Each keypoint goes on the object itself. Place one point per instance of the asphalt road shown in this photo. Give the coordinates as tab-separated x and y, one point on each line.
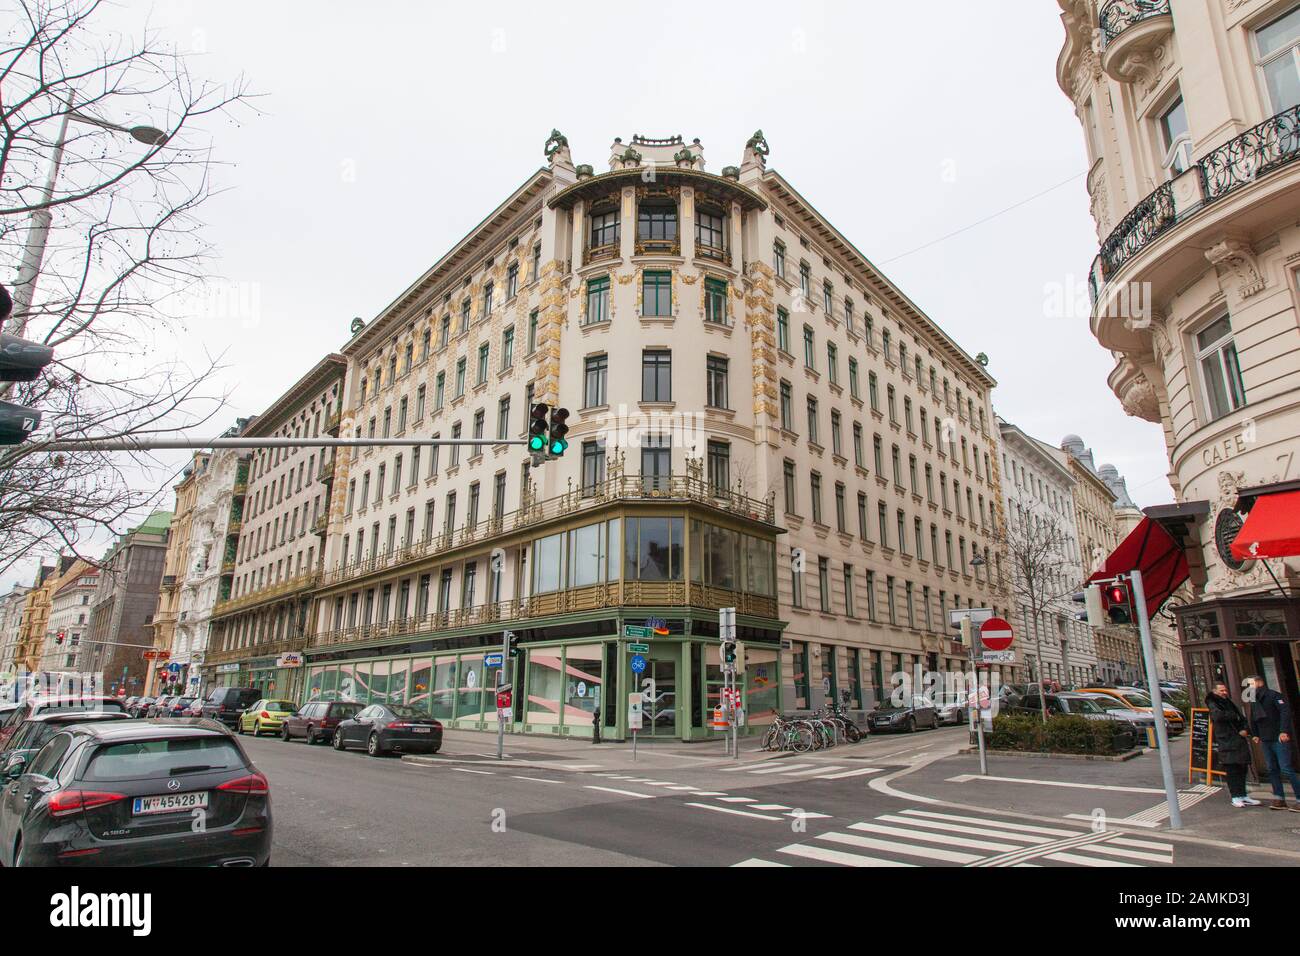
341	809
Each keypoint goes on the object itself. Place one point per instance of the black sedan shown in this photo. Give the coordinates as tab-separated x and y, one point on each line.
891	716
390	728
133	793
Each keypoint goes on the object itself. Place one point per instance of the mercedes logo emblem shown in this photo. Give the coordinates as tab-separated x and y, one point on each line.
173	784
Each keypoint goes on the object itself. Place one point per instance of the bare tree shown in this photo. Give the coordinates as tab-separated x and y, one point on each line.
105	164
1042	572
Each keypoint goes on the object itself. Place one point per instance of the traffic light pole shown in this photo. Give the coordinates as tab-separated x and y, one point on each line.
1157	702
968	638
501	679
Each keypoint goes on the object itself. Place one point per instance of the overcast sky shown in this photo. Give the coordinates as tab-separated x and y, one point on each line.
390	129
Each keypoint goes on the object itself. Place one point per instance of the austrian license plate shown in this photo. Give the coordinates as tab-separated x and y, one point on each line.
169	803
422	730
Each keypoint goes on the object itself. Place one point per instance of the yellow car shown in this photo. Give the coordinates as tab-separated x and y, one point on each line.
1139	700
265	716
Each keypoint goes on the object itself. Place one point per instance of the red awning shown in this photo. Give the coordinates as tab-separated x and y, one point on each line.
1149	548
1272	529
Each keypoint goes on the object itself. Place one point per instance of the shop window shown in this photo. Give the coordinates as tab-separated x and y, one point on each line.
442	701
653	549
582	686
545	687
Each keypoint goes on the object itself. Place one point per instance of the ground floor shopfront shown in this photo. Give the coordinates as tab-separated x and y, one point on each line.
267	674
569	678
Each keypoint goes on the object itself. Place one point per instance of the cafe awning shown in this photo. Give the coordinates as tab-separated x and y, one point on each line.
1272	528
1151	549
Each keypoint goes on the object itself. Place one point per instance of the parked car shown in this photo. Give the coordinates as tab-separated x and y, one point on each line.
265	716
123	793
318	719
140	706
195	707
953	711
1092	707
159	705
1136	699
32	706
35	732
225	704
889	716
176	707
382	728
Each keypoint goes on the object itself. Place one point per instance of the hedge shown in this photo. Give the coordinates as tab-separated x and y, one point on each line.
1062	734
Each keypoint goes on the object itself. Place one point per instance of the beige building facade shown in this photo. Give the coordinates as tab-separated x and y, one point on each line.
760	420
160	678
1191	118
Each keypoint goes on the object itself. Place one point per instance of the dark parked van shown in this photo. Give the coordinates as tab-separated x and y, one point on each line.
227	703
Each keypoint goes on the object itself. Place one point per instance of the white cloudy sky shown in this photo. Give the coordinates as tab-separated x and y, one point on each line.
389	129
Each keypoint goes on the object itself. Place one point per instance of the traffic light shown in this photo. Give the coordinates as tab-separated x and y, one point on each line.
512	644
556	443
1118	607
537	428
20	361
729	652
17	422
58	638
1090	598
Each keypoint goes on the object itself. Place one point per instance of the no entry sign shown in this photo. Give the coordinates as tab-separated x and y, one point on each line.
996	634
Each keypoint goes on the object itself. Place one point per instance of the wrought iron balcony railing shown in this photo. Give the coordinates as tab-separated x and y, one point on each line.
302	582
621	487
1239	162
1118	15
572	600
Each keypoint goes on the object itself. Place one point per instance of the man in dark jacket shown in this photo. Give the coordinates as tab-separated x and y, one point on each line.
1231	743
1270	723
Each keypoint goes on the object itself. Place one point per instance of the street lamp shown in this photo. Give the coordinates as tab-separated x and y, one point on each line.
34	250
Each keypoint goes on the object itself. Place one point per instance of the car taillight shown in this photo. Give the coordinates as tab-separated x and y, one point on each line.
397	724
265	714
253	783
67	802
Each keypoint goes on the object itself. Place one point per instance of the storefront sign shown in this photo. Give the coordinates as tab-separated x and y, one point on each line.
1200	758
227	668
289	659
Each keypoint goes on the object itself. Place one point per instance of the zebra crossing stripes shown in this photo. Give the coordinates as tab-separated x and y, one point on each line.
914	837
810	771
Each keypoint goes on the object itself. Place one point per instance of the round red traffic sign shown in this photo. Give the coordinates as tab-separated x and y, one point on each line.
996	634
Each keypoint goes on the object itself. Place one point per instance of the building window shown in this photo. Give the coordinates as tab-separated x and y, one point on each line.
719	464
656	376
508	348
710	231
532	332
439	390
824	584
778	258
512	281
460	376
783	330
715	301
657	221
854	384
597	300
787	406
482	364
595	374
1278	47
1216	354
812	419
656	463
487	299
503	418
716	381
604	228
656	294
791	493
809	348
815	488
1175	138
593	467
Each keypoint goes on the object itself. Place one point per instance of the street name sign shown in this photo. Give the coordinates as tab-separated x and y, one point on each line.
631	630
492	660
639	648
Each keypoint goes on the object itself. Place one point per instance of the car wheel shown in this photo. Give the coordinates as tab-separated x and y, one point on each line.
257	728
284	733
338	741
910	725
372	746
311	736
18	852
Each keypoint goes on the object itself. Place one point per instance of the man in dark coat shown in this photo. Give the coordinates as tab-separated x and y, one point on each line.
1231	743
1270	722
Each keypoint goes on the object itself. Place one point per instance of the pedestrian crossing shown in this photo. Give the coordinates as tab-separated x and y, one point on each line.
799	770
917	837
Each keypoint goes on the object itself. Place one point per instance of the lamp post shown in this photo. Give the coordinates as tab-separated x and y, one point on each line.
29	269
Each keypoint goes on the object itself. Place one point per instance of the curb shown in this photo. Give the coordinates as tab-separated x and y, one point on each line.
1112	758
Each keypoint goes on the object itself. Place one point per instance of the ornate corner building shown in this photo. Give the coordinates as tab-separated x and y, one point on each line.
1191	117
761	420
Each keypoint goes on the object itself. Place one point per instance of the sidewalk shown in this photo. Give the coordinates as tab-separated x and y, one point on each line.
561	753
1126	794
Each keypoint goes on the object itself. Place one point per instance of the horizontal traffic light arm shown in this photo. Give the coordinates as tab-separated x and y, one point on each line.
160	444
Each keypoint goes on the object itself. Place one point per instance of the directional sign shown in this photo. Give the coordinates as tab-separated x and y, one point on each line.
638	664
630	630
639	648
996	634
492	660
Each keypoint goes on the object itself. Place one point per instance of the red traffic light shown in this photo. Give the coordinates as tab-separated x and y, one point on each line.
1117	594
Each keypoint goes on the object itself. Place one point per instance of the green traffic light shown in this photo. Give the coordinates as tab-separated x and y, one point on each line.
558	446
536	443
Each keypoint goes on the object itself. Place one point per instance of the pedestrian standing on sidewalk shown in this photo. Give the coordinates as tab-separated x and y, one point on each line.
1231	743
1270	722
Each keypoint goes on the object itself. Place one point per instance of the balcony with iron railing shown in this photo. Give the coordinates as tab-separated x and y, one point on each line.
1245	160
617	487
264	649
1131	31
658	247
266	595
596	597
608	250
